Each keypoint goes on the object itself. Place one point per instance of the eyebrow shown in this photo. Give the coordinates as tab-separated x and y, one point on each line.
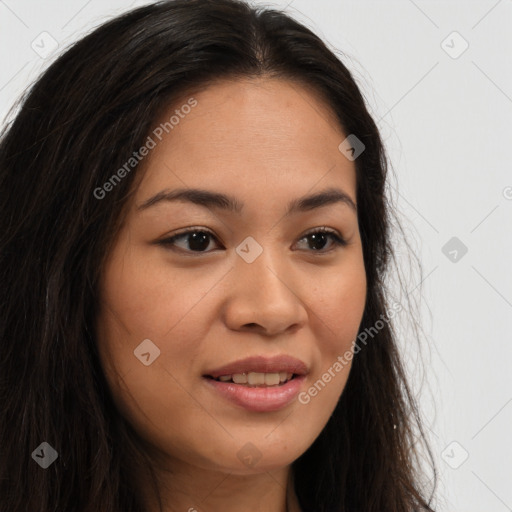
217	200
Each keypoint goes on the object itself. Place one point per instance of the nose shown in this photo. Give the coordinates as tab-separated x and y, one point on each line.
265	296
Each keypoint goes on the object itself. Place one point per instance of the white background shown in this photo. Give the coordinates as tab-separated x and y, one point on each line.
447	125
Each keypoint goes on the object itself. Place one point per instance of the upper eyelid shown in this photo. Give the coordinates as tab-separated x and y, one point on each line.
195	229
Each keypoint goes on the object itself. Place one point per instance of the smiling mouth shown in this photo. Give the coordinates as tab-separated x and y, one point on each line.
255	379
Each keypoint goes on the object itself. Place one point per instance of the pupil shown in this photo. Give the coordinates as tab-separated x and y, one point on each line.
316	239
197	241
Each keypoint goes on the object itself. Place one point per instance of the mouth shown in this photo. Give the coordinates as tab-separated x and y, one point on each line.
258	383
256	379
257	397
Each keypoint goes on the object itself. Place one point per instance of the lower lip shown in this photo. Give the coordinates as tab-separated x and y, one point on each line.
259	399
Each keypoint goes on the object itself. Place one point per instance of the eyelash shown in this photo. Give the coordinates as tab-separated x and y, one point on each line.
169	242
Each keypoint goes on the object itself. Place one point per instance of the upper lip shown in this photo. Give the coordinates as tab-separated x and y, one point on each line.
261	364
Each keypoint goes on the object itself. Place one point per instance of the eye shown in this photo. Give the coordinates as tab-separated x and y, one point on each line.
198	240
320	236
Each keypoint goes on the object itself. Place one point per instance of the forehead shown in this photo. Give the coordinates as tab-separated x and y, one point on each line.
246	133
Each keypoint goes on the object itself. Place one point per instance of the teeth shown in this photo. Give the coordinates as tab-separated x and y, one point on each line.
257	379
239	378
271	379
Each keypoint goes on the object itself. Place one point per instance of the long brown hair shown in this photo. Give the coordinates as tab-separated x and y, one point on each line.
79	123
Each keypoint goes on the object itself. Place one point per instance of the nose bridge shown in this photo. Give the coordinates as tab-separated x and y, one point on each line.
263	268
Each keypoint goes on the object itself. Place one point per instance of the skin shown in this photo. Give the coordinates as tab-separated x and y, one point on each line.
266	142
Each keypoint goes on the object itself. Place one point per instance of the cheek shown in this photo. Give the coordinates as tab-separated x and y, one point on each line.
338	305
139	302
143	300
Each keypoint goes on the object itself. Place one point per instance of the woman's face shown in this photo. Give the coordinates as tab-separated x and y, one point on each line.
250	281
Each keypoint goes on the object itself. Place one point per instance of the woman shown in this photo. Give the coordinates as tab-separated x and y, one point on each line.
194	242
